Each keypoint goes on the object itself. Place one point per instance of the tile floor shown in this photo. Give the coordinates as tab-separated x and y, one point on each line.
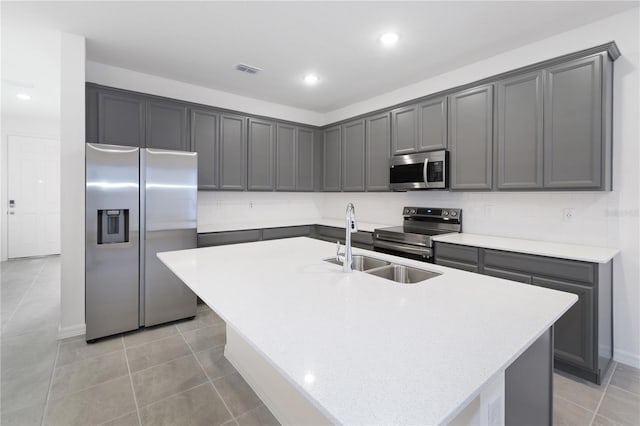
177	374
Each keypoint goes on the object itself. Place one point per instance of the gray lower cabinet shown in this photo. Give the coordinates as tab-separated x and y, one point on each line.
432	124
233	152
305	159
205	141
583	335
519	132
286	158
471	138
167	125
332	159
360	239
404	130
286	232
261	152
228	237
353	160
121	118
378	134
573	124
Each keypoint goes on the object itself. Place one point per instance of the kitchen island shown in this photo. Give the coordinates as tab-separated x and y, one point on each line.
359	349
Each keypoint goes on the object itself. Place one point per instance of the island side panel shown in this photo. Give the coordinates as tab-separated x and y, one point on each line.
529	385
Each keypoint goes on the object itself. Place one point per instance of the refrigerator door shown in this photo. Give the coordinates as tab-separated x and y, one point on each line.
112	234
170	208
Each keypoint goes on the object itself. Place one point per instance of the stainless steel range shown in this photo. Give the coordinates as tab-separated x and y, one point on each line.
414	238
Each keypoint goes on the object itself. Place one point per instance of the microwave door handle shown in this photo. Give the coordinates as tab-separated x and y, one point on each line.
424	171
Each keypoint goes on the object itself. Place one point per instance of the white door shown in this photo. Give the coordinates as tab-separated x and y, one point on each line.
33	194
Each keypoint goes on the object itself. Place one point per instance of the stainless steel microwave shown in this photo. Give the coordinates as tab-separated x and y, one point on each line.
424	170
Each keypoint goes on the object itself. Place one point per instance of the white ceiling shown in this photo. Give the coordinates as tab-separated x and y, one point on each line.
201	42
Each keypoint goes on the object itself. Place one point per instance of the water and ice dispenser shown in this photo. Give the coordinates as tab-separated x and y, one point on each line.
113	226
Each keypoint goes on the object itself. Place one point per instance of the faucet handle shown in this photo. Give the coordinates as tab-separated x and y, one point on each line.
338	251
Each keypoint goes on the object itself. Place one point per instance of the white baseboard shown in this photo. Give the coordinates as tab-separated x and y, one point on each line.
71	331
627	358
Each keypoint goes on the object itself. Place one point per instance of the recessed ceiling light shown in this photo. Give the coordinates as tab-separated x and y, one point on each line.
23	96
311	79
389	39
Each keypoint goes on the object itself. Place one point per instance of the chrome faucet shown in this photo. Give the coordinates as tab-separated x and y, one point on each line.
351	226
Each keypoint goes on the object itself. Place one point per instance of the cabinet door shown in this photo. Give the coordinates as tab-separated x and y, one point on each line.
305	160
573	114
353	156
471	138
91	114
332	177
404	130
432	124
233	152
286	158
378	134
121	118
262	149
519	132
167	125
573	332
205	141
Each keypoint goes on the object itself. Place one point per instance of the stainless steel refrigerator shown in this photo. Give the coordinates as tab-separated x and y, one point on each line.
138	202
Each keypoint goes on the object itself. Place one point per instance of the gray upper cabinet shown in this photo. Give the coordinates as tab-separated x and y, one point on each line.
205	141
432	124
121	118
167	125
573	142
471	138
233	152
332	173
286	158
378	138
519	132
262	155
404	127
353	161
305	162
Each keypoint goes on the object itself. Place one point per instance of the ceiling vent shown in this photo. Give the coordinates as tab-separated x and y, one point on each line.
248	68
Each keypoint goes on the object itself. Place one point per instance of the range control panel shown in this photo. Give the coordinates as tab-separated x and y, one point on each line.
432	212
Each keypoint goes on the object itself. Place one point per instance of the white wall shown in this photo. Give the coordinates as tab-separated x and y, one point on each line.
44	127
132	80
602	218
72	135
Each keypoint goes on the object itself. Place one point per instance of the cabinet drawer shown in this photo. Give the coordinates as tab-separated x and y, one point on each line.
288	232
457	265
539	265
508	275
457	252
330	232
232	237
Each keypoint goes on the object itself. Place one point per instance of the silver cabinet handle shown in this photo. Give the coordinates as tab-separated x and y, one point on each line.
424	171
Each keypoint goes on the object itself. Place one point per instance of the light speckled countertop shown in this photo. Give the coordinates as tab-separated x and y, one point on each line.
380	352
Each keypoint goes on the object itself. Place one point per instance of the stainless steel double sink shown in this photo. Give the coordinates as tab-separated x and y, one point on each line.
391	271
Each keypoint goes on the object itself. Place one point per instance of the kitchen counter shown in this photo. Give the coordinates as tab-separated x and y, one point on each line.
338	223
362	349
541	248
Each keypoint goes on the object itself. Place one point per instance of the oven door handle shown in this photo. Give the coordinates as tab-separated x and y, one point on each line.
424	171
403	248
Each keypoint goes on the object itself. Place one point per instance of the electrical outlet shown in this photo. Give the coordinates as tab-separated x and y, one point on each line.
568	214
250	204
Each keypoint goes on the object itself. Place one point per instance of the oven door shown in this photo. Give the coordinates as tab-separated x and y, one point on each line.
407	251
426	170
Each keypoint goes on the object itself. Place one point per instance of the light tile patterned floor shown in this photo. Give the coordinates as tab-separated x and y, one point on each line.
177	374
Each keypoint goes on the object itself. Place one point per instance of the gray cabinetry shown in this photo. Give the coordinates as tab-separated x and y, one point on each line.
204	141
332	173
261	151
167	125
404	129
519	132
432	124
121	118
573	124
305	159
286	158
471	138
353	147
228	237
233	152
378	134
457	256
